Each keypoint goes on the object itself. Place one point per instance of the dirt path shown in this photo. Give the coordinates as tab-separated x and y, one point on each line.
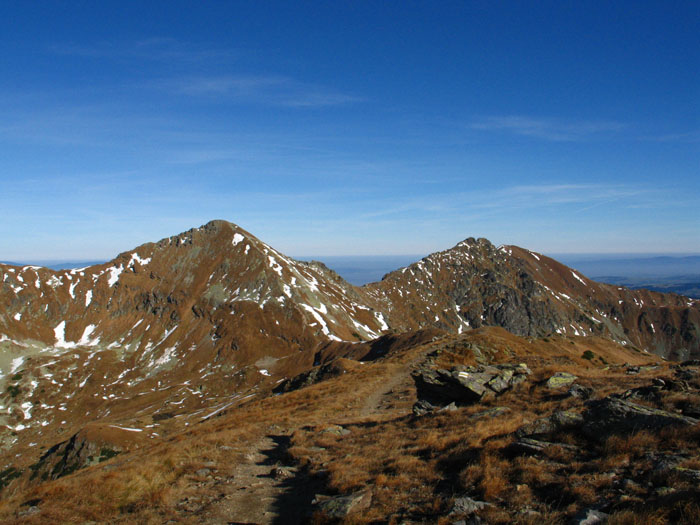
398	383
250	495
264	490
260	490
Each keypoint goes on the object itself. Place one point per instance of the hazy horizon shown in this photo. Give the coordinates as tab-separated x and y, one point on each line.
626	269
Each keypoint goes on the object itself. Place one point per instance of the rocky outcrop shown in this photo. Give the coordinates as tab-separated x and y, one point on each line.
315	375
81	450
464	385
613	415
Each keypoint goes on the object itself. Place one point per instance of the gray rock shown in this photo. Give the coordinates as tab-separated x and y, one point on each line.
560	420
28	512
423	407
667	462
336	430
579	391
590	517
342	506
465	505
466	384
282	473
687	474
499	384
491	412
612	415
535	446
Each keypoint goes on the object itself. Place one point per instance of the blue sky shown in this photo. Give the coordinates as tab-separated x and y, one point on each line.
350	128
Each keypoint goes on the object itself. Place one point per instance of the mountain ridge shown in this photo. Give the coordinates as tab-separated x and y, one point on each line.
174	332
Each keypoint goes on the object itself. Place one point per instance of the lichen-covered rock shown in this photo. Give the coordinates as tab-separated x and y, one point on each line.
561	380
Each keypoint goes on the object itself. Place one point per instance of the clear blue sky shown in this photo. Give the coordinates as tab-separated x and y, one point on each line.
336	128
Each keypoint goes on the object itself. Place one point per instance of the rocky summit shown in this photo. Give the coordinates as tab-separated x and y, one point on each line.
214	361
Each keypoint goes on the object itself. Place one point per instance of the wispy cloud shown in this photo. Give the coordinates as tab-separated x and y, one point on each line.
554	194
577	198
266	89
547	128
687	137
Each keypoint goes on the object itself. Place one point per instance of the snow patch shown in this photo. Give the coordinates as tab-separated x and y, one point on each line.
60	334
237	237
85	339
16	363
576	276
114	273
136	259
382	323
275	265
127	428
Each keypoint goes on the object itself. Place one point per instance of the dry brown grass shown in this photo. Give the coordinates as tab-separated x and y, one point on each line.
415	465
633	445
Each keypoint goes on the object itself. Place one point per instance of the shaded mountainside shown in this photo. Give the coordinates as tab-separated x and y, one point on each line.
174	333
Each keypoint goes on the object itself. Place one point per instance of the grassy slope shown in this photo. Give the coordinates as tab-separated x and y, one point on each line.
414	465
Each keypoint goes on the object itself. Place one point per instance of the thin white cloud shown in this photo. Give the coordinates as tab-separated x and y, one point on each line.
547	128
265	89
577	197
688	137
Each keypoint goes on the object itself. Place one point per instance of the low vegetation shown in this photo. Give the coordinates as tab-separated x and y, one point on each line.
356	431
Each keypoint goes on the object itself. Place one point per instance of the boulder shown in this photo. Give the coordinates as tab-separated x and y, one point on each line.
612	415
464	385
342	506
466	506
561	380
560	420
579	391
